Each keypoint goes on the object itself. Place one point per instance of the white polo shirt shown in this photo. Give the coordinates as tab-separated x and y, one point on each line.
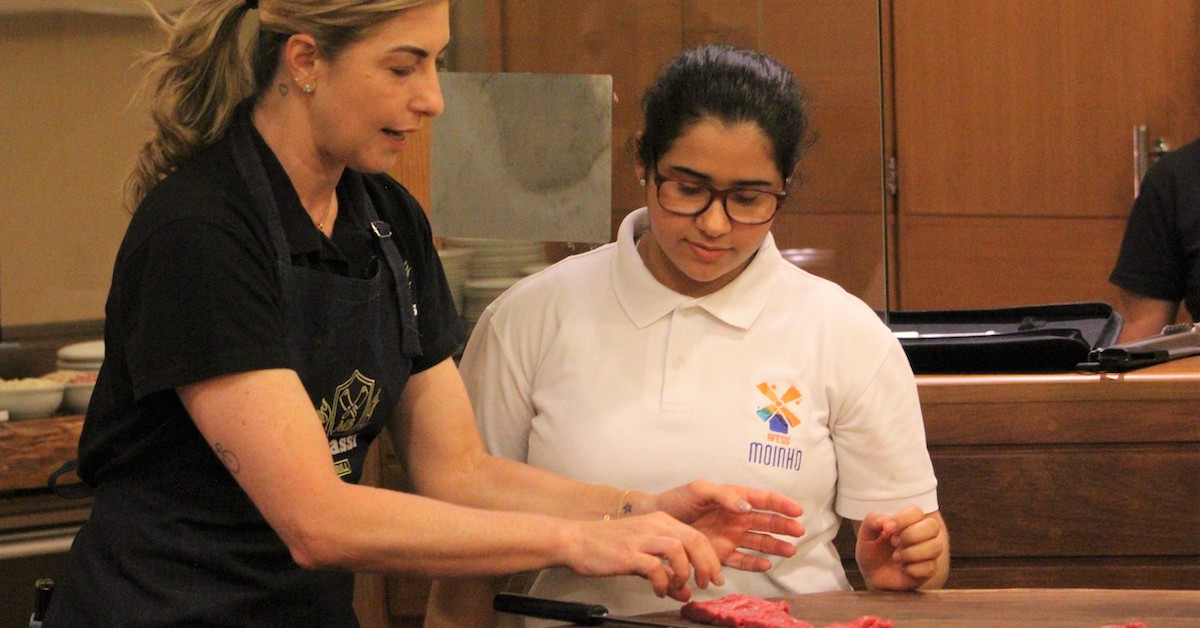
780	380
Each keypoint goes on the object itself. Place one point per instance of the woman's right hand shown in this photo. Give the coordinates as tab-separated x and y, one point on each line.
654	546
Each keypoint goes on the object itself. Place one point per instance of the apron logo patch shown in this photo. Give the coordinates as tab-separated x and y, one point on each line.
411	290
354	402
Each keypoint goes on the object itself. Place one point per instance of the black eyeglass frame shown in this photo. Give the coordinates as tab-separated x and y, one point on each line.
716	195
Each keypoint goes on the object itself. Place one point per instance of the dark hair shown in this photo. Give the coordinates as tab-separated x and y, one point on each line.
732	85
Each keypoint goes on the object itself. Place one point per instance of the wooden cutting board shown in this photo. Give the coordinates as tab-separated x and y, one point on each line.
32	449
1000	608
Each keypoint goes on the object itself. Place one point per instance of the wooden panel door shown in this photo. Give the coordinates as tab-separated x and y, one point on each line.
833	47
1014	137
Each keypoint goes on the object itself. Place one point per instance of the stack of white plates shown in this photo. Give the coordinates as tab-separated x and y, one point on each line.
455	262
499	258
479	293
82	356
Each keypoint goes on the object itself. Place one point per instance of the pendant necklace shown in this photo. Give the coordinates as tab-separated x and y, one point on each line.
325	214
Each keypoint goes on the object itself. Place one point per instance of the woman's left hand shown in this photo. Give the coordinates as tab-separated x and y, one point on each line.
735	519
904	551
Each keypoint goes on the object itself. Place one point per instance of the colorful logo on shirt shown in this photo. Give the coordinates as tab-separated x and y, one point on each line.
780	415
777	414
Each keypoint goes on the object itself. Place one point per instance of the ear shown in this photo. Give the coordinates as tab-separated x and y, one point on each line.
300	56
640	168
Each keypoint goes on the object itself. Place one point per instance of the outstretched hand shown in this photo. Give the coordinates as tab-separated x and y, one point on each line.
903	551
736	520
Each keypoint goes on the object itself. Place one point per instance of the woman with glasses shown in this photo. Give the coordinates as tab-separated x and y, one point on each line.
691	346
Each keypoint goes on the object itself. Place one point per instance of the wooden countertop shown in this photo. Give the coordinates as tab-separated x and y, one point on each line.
996	608
32	449
1178	379
1156	404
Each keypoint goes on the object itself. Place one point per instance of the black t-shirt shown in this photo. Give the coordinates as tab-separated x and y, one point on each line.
1160	253
196	293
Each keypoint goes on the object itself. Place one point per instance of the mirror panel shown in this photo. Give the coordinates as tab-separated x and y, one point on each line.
523	157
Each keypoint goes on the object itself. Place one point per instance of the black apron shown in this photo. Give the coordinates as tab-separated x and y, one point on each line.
209	558
344	334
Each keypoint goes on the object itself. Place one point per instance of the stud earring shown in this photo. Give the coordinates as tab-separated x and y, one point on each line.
307	88
643	181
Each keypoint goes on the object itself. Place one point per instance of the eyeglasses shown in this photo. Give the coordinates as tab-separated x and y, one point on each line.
747	206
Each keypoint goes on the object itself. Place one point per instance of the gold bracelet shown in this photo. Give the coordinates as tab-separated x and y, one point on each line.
620	503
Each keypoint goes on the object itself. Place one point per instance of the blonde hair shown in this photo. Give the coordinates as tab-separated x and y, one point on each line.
198	78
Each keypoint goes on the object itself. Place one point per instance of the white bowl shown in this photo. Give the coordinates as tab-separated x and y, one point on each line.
30	398
78	396
85	352
79	385
68	365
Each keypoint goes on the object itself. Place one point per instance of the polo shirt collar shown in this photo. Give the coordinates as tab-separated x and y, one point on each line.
645	300
306	246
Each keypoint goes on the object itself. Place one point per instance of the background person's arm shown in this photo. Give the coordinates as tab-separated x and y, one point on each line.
1143	316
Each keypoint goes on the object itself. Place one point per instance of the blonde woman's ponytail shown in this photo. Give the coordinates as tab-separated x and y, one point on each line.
194	83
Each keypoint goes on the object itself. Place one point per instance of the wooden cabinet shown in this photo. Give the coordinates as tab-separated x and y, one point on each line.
1068	480
1013	123
1072	480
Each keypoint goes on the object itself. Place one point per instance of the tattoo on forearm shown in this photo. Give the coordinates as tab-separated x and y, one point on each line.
228	458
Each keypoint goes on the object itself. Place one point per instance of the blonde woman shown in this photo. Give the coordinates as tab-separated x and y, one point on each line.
277	302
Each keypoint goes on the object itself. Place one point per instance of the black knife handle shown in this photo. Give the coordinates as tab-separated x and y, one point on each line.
574	612
43	588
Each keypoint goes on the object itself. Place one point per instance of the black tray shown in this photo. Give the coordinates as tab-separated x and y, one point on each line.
1028	339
